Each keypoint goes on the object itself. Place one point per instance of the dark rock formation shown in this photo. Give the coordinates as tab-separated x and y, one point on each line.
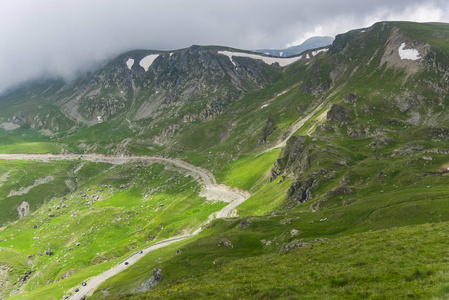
350	98
151	283
339	114
269	128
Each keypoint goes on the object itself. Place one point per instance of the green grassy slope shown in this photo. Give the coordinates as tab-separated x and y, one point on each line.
115	210
377	163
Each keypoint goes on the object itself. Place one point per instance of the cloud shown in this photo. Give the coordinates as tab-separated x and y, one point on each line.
62	37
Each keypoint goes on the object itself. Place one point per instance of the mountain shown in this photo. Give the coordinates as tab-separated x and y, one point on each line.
334	162
311	43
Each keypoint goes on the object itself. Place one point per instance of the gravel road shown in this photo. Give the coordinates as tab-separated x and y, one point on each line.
222	192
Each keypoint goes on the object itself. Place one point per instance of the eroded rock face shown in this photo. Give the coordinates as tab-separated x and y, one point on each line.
23	209
339	114
151	283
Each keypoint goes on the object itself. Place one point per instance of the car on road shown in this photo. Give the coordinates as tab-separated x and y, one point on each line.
126	263
140	252
83	284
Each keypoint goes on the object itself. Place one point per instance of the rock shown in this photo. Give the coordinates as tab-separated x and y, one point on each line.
317	82
293	245
151	283
380	140
49	253
293	157
345	190
225	243
294	232
339	114
245	224
349	98
18	119
366	109
270	127
23	209
299	192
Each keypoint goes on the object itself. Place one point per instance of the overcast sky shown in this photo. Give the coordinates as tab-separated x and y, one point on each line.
64	36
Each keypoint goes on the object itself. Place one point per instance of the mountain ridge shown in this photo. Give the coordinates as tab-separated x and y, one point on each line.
364	140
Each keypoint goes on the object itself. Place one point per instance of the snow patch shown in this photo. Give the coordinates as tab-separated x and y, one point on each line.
130	63
268	60
99	119
319	51
281	53
147	61
307	56
411	54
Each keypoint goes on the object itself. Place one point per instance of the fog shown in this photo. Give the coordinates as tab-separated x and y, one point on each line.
61	38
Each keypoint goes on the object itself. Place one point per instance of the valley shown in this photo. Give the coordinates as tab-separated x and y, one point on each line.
238	175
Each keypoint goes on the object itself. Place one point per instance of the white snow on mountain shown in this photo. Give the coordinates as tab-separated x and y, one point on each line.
130	63
319	51
147	61
411	54
268	60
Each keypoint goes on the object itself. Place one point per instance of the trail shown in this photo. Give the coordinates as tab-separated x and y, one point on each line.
298	124
210	185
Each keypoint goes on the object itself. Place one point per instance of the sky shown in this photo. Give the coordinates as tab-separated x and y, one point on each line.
64	37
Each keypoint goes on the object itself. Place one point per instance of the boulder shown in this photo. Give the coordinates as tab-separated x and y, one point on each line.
225	243
350	98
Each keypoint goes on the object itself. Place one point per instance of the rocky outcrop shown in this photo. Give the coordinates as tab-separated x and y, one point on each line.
20	119
339	114
225	243
299	192
350	98
151	283
292	245
104	107
296	161
269	128
23	209
317	82
294	158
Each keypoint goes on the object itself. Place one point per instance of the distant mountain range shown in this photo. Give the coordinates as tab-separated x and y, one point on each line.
312	43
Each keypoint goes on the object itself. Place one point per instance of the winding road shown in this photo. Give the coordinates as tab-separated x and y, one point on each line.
210	184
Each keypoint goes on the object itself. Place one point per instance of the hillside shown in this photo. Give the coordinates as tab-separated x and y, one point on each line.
342	151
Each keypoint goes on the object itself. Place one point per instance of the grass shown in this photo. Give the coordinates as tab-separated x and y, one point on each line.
248	171
406	262
393	193
112	213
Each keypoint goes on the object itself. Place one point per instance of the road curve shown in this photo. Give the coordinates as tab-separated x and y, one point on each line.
206	177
